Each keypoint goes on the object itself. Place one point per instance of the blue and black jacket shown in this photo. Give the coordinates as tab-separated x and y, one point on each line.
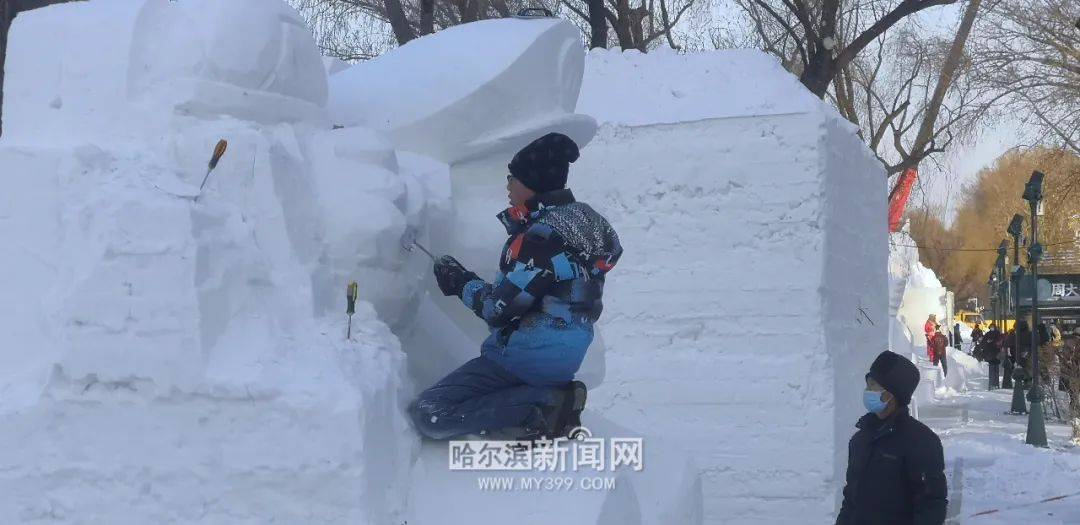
548	292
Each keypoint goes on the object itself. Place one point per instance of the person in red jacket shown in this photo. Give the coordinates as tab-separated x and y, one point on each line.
930	328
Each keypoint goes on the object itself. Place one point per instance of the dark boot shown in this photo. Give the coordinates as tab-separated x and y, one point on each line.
562	417
577	405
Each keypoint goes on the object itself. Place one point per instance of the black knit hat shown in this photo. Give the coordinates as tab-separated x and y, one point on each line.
898	375
543	165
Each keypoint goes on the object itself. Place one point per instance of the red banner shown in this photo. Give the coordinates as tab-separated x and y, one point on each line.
899	197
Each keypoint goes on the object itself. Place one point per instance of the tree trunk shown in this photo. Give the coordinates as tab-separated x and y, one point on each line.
471	11
948	70
403	31
819	72
622	26
666	23
427	17
7	14
637	26
597	24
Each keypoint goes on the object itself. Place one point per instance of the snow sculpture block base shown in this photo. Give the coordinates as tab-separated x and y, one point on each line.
751	298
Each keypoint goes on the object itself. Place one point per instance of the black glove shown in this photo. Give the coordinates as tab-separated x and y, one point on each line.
452	276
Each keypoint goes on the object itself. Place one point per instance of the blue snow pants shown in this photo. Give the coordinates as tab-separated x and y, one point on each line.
480	395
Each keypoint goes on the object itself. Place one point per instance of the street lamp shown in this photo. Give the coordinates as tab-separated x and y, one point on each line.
1016	229
1036	429
993	367
1003	298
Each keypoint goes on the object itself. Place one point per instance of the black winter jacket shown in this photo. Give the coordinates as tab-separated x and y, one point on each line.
895	474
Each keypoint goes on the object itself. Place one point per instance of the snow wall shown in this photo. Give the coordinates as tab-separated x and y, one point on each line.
751	297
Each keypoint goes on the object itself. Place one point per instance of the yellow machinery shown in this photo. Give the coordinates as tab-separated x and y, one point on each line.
972	318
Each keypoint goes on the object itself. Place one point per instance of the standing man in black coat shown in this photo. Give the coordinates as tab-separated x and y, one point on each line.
896	467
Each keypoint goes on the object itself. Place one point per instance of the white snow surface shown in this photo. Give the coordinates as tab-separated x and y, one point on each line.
630	88
994	477
180	361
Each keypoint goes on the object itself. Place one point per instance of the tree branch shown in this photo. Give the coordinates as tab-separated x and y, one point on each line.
905	8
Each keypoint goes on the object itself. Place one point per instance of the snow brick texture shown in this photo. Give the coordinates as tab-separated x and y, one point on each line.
172	361
752	294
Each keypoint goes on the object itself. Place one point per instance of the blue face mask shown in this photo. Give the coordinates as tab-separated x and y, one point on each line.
872	401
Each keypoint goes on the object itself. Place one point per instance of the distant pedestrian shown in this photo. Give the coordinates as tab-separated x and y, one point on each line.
957	339
976	334
896	465
990	351
939	345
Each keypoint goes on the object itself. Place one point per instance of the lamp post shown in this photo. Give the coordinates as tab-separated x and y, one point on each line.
1036	429
1016	229
1003	299
993	367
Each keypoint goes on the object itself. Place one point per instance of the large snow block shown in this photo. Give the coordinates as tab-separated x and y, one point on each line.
169	359
470	90
751	297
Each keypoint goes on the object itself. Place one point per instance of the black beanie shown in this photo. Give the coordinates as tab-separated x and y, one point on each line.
898	375
543	165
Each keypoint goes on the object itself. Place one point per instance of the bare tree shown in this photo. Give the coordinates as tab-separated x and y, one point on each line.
1030	54
1069	357
909	91
9	9
635	26
813	28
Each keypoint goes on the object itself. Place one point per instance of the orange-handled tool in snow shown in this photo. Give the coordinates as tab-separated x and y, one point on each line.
219	151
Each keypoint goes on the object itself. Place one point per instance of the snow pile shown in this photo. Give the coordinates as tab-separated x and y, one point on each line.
714	338
183	360
962	370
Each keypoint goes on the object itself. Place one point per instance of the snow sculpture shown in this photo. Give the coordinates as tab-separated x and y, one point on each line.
915	293
252	59
195	350
435	97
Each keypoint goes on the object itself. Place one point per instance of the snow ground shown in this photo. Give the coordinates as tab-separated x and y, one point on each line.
994	476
